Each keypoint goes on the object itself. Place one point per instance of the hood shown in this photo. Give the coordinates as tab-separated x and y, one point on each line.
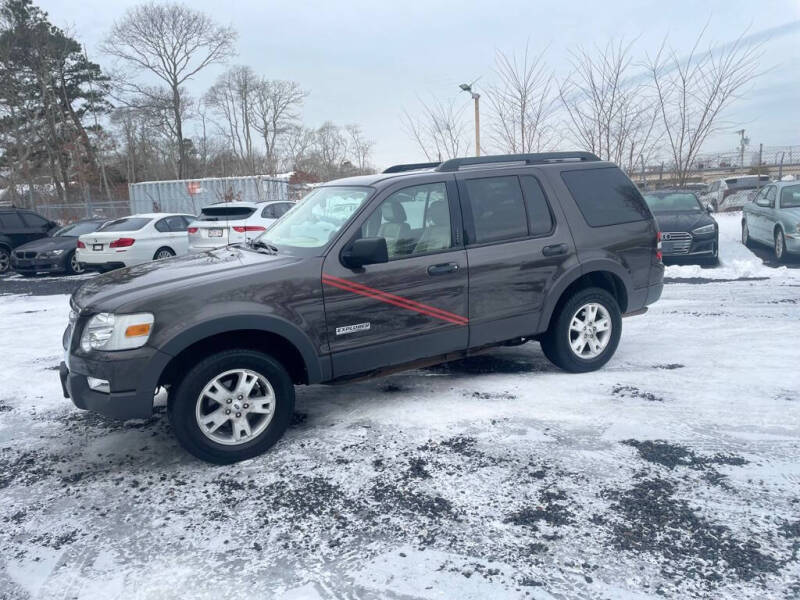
682	221
134	284
49	243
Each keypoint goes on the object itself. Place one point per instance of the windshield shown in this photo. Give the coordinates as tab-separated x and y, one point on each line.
129	224
317	218
77	229
672	202
790	197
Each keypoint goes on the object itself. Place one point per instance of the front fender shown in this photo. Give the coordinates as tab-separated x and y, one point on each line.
318	368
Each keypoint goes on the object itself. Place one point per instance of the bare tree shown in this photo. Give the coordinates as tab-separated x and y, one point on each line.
174	42
610	112
233	98
296	143
360	148
692	92
276	109
522	103
439	129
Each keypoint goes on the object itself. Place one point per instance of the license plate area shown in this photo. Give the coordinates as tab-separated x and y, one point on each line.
97	247
214	233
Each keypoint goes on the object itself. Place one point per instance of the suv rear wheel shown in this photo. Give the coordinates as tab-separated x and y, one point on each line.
585	333
232	406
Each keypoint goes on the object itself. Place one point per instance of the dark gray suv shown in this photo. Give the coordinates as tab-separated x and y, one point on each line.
417	265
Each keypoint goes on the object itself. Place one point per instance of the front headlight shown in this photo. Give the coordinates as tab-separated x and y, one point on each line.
108	332
705	229
52	253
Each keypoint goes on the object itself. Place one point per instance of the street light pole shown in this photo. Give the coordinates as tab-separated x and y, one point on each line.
467	87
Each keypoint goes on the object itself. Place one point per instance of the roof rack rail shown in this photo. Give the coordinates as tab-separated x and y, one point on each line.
411	167
454	164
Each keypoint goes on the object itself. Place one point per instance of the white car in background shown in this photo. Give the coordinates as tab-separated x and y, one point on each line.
731	193
233	222
134	240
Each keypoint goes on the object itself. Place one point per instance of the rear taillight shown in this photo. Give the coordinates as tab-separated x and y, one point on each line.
122	243
81	244
246	228
659	256
192	230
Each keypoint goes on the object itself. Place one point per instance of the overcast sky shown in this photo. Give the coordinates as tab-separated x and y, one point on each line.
364	62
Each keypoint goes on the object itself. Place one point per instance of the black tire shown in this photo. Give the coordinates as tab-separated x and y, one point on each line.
555	343
779	247
746	234
168	252
181	409
5	260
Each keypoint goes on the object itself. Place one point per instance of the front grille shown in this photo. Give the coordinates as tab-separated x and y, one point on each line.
676	242
25	254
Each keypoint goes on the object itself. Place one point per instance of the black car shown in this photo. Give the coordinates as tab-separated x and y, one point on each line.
54	254
688	231
17	227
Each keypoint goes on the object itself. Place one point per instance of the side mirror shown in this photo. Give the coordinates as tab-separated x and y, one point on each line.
366	251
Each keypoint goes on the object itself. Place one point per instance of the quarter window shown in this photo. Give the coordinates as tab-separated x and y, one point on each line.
605	196
414	220
498	210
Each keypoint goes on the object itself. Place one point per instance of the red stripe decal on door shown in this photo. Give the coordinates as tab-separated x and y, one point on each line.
368	292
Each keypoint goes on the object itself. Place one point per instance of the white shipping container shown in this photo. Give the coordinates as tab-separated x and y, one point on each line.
190	195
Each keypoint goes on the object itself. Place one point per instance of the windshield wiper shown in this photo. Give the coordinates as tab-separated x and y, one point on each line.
265	246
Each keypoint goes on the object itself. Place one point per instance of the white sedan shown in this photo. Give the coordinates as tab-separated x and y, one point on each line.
134	240
227	223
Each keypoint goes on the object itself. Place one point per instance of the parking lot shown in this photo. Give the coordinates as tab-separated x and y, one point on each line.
672	471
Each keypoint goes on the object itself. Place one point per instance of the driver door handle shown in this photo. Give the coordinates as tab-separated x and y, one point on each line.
442	269
555	250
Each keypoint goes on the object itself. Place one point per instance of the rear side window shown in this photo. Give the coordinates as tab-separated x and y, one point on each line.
176	223
540	219
605	196
162	226
34	220
498	210
11	221
131	224
222	213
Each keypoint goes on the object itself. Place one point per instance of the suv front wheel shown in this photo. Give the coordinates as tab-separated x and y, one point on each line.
232	406
585	333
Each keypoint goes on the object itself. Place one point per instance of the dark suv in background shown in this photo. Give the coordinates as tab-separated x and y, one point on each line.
417	265
17	227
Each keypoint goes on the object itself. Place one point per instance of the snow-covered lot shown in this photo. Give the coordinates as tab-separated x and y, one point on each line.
674	471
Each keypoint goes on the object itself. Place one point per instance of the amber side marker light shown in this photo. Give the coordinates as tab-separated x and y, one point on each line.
137	330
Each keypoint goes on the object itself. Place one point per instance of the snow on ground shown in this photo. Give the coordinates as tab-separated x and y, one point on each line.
672	472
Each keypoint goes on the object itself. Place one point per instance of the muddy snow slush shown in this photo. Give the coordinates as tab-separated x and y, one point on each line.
420	264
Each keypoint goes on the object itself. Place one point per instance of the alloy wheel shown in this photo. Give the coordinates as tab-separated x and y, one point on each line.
745	234
161	254
235	407
75	265
589	330
5	261
779	244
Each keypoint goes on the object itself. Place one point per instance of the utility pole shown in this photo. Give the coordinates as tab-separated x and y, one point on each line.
743	141
467	87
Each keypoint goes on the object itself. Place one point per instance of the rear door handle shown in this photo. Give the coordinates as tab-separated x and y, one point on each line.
555	250
442	269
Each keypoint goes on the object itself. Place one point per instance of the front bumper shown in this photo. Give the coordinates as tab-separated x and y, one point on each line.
792	242
706	246
38	265
133	376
